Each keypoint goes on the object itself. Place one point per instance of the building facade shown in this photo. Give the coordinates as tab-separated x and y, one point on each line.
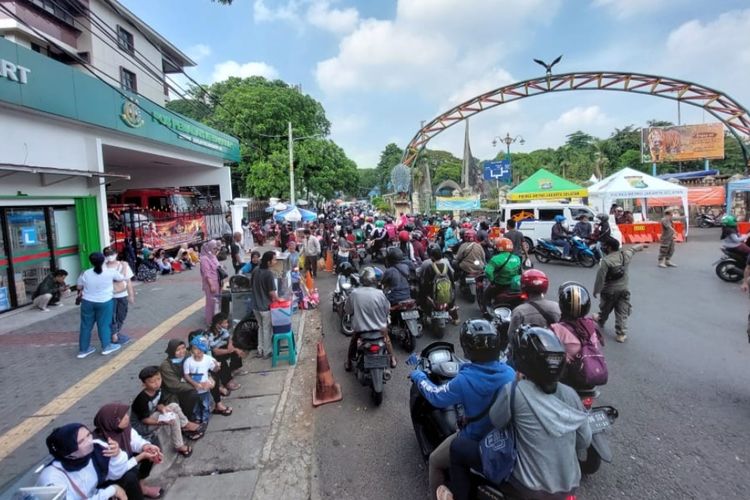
70	138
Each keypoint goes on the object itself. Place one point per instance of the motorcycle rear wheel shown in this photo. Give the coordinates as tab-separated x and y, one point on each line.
586	260
408	342
346	325
377	397
727	271
592	463
541	256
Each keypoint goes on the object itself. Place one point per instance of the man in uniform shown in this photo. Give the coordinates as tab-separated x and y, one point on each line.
666	244
612	283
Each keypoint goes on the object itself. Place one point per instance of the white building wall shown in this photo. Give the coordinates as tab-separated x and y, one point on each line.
109	60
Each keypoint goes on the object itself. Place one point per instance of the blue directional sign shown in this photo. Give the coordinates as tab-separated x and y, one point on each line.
497	170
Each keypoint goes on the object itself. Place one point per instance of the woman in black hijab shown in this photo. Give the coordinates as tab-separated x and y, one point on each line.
83	464
173	384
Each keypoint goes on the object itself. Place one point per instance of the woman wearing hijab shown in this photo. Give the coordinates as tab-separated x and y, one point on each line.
112	421
173	384
210	275
81	463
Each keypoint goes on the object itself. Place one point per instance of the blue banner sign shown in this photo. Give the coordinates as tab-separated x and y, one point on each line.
497	170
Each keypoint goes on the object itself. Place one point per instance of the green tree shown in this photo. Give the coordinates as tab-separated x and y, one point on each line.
368	180
324	169
447	171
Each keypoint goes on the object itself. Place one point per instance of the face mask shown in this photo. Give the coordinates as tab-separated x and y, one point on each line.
84	449
110	258
177	361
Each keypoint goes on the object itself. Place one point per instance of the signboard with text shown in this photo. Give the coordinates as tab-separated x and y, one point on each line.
682	143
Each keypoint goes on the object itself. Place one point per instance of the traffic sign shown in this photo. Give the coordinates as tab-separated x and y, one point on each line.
497	170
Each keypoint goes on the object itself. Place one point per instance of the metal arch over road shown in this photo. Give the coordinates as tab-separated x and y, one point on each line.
724	108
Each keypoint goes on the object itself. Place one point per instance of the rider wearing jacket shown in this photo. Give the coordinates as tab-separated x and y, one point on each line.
473	387
538	311
503	270
470	256
560	235
396	277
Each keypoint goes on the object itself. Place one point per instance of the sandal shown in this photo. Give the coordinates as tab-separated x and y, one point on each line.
154	491
226	411
194	435
186	452
242	372
393	362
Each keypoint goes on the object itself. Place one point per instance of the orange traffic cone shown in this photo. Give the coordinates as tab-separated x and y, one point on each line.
309	283
326	390
329	262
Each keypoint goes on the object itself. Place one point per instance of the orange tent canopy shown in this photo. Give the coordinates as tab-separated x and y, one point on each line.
702	196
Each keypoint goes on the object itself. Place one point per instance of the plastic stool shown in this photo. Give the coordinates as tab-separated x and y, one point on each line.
291	353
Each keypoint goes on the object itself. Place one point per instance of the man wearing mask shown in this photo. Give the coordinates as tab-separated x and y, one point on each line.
311	251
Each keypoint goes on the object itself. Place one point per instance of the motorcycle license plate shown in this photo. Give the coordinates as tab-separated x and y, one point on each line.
471	281
599	420
376	361
440	315
410	314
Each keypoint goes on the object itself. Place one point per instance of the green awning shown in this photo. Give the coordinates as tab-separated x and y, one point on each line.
544	185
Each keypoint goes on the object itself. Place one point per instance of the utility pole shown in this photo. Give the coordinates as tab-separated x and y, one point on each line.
291	166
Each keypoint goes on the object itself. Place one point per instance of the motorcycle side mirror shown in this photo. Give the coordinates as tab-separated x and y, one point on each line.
502	313
346	286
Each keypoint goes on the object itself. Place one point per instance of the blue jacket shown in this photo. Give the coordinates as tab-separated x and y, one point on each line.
474	386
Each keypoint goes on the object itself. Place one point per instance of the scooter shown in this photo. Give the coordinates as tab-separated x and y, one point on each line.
600	418
706	220
437	319
405	326
361	253
467	284
372	364
580	253
344	287
504	298
731	266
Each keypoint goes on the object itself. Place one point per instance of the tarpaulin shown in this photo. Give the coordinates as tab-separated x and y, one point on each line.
697	196
457	203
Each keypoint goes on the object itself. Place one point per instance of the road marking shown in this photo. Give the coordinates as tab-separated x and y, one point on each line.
14	438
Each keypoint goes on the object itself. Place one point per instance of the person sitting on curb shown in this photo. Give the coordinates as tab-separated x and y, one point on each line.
174	387
50	290
223	351
200	338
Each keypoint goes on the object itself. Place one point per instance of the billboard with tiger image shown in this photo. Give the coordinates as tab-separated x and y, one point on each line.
682	143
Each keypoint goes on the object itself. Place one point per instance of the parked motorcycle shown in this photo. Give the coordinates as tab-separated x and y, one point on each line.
600	418
706	220
372	364
731	266
344	287
580	253
405	326
504	298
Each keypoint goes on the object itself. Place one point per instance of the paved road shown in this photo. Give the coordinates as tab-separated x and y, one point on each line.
680	383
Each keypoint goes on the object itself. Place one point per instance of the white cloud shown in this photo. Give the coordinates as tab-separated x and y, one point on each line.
472	88
338	21
224	70
347	124
199	52
589	119
288	11
624	9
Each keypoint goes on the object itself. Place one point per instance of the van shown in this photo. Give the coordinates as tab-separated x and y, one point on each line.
536	218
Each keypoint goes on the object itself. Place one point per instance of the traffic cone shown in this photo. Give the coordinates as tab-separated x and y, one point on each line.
309	283
326	390
329	262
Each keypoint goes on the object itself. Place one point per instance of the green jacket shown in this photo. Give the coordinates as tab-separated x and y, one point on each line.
613	260
504	269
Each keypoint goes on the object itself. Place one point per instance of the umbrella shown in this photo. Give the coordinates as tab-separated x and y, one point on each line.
289	215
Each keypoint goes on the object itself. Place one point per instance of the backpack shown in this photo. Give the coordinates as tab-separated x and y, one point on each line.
497	448
442	287
589	368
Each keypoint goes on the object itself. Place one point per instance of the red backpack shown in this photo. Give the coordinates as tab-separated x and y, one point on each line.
589	368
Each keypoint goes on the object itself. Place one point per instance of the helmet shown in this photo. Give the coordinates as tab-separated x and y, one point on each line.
346	269
469	235
466	225
534	281
417	235
574	300
445	223
403	236
540	356
602	217
559	218
479	340
435	253
729	221
504	245
380	223
367	277
394	255
368	218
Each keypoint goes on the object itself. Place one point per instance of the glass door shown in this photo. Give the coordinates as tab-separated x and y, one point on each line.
29	248
65	239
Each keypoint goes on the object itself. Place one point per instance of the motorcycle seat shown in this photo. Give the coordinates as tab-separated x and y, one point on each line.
404	304
371	335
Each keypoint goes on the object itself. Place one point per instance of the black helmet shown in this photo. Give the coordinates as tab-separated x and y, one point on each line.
479	340
368	277
346	269
435	253
393	256
602	217
540	356
574	299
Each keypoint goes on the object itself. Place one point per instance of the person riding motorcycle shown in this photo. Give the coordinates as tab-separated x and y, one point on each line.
560	236
582	229
538	311
370	311
397	277
730	236
419	244
427	274
404	243
602	232
451	238
470	256
575	304
474	385
379	237
503	271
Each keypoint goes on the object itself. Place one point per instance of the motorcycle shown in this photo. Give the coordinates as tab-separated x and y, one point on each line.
580	253
405	326
341	292
437	319
361	253
504	298
706	220
372	364
731	266
600	419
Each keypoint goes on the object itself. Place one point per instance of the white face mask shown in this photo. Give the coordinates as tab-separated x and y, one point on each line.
110	258
85	448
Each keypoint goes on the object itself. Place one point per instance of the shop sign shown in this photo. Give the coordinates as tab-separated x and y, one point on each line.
131	114
14	72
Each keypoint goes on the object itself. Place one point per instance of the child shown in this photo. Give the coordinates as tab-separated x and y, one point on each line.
197	370
296	286
220	342
150	412
219	407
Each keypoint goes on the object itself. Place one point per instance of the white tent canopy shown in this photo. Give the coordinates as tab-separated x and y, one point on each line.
629	183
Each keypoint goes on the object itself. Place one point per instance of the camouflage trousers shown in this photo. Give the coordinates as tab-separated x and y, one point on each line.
666	249
620	303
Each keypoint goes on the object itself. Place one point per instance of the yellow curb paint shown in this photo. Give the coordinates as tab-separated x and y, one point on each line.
14	438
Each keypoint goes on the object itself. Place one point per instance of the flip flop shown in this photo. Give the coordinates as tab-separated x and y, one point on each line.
226	411
185	453
194	435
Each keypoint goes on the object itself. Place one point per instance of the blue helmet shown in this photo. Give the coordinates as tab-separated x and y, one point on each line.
559	218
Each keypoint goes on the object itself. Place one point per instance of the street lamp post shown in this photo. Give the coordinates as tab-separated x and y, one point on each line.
508	140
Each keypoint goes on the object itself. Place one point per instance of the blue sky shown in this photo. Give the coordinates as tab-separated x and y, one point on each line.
379	67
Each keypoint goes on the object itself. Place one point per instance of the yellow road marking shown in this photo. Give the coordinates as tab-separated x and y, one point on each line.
14	438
